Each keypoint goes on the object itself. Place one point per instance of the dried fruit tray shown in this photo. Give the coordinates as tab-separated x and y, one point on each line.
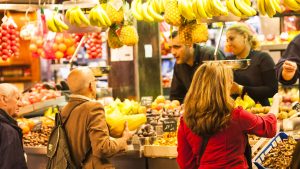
259	158
160	151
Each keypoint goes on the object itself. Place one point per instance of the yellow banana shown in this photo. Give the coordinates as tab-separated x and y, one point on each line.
187	11
261	7
105	17
179	6
270	9
162	5
74	15
51	25
276	5
248	2
67	16
195	10
145	14
98	16
134	10
152	13
222	10
200	9
82	16
243	7
206	7
59	23
156	6
232	8
292	4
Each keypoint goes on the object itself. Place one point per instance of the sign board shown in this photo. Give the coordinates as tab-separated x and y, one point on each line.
124	53
296	107
169	125
146	101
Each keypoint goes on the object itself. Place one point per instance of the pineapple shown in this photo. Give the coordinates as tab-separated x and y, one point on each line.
128	35
193	33
113	39
199	32
114	15
172	14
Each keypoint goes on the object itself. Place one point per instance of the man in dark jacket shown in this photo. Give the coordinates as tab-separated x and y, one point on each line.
11	146
288	72
188	59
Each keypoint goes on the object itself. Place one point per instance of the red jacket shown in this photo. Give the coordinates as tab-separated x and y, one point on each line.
225	149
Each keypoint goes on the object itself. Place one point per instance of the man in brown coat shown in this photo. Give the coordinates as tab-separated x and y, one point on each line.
86	128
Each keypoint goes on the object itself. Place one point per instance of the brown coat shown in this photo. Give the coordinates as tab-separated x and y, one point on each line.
85	128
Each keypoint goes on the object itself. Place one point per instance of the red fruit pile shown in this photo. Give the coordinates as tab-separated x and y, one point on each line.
94	45
9	41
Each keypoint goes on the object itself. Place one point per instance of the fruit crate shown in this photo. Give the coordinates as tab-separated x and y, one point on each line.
156	151
259	158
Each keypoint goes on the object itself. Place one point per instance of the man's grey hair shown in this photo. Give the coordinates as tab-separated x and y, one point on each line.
8	90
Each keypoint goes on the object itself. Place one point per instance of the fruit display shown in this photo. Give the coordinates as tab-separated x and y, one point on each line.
55	23
114	10
51	111
38	138
247	102
193	32
167	139
76	16
37	94
289	95
93	45
98	17
281	155
9	39
113	39
117	113
146	130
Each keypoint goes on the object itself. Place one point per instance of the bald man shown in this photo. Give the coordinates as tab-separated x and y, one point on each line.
11	145
86	127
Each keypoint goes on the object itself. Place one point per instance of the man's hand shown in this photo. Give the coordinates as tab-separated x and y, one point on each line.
288	70
127	133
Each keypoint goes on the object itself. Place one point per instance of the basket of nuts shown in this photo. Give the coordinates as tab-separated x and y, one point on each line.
277	153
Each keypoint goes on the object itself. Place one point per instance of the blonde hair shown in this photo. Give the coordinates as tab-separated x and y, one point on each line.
244	29
208	104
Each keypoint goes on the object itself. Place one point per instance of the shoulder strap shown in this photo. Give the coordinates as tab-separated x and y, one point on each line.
63	124
202	149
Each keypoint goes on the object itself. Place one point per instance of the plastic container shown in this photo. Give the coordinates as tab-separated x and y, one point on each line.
259	158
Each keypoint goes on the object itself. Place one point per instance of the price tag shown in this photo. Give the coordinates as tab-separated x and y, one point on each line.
146	100
296	107
117	4
169	125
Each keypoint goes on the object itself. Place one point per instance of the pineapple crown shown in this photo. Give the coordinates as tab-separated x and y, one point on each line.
128	17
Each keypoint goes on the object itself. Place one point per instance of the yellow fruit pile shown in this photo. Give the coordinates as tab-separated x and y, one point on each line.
117	113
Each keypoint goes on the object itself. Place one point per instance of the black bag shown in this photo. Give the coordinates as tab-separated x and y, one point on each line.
58	149
248	153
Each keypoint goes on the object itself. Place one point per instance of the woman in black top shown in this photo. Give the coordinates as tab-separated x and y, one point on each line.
259	79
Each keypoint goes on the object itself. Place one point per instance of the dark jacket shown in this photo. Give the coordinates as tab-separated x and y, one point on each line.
292	53
183	73
11	146
259	79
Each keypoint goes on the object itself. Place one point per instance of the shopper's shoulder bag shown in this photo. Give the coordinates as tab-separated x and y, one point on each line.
58	148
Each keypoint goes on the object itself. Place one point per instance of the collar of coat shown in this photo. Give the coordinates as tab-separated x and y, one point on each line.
76	96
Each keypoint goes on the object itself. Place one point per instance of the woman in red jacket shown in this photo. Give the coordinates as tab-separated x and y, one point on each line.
210	112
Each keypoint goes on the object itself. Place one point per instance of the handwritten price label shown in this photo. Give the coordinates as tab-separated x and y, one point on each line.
169	125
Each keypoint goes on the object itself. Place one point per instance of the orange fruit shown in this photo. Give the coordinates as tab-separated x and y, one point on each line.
70	50
33	47
55	47
59	39
39	42
59	54
62	47
25	129
68	42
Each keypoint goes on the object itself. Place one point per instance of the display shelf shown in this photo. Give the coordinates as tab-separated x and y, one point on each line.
14	63
15	79
160	151
274	47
